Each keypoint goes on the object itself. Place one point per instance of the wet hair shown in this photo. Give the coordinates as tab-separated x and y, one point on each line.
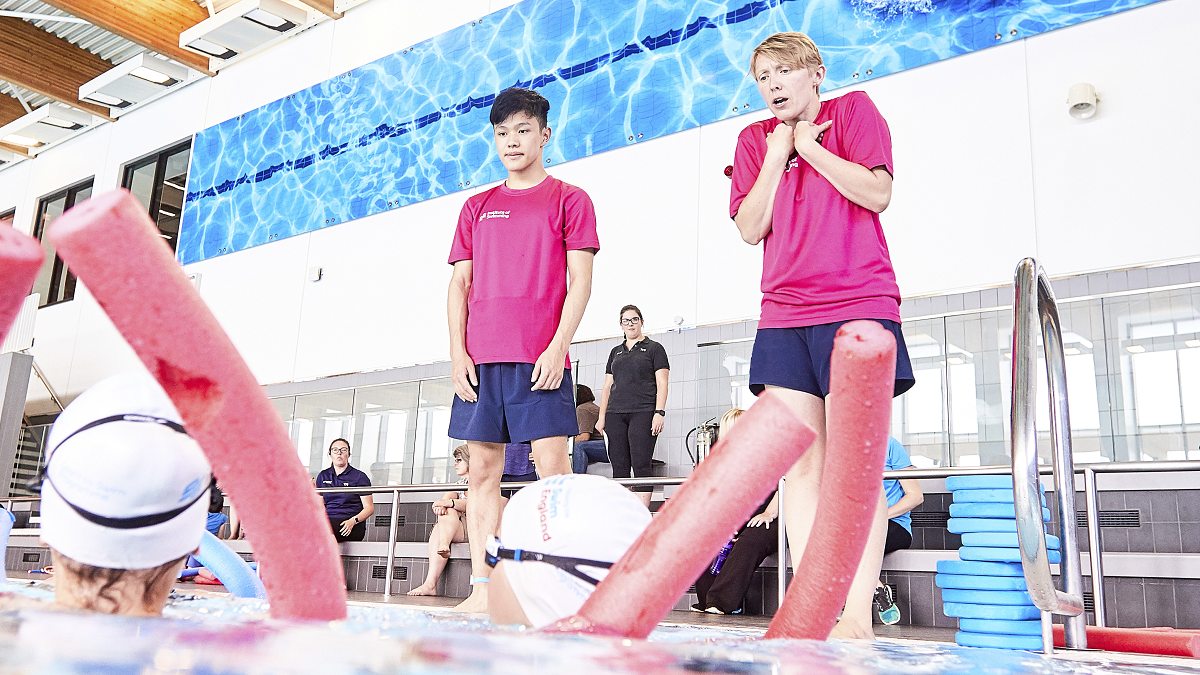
461	452
728	420
626	308
99	586
583	394
515	100
791	49
216	498
330	451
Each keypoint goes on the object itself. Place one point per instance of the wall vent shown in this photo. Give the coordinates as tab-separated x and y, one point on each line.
935	519
399	572
1089	602
1115	518
248	557
31	557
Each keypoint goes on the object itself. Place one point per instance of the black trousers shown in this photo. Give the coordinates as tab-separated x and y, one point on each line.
897	538
357	533
727	590
630	445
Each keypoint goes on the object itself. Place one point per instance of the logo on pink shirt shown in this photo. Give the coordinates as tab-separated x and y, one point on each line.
493	214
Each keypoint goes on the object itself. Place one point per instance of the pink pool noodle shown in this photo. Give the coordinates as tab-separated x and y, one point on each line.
21	257
720	495
861	381
114	248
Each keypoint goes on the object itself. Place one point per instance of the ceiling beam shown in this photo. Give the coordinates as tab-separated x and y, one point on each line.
323	6
16	149
153	24
46	64
10	109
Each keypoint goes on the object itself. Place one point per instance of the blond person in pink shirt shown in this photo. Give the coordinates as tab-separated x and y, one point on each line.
513	314
809	184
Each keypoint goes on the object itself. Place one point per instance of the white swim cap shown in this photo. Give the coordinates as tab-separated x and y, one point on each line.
124	484
577	516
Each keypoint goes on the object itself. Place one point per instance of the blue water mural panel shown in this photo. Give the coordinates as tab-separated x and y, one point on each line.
414	125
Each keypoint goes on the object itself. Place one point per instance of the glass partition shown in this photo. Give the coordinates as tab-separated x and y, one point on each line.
919	417
385	432
433	461
318	420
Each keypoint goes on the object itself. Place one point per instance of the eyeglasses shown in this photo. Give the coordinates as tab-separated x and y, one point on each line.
631	321
339	451
496	552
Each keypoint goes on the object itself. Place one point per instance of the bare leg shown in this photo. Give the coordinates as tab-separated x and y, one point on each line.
549	456
645	497
483	515
800	506
448	526
437	563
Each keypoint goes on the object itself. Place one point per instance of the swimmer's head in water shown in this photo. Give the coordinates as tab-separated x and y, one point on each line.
567	521
125	487
788	70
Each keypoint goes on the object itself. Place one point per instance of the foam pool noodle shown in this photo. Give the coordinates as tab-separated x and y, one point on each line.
861	382
1161	641
235	574
113	247
721	494
21	257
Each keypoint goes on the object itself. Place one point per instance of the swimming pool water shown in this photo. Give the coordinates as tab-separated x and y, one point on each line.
414	125
227	636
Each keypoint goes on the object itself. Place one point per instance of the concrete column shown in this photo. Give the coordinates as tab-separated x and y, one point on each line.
14	386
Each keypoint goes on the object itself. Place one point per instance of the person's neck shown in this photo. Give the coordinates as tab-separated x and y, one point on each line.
629	342
338	471
129	596
532	176
810	112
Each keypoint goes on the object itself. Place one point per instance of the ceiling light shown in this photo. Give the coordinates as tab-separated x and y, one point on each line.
134	80
1135	349
1192	343
954	361
47	124
17	139
1082	100
212	49
243	27
155	76
1070	351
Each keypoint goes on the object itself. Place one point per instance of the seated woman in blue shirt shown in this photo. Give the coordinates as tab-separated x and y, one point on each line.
347	513
903	496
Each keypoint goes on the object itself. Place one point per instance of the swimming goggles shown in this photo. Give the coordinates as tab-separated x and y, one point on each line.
35	483
496	552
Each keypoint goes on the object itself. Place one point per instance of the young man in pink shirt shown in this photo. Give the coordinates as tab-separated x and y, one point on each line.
513	315
810	184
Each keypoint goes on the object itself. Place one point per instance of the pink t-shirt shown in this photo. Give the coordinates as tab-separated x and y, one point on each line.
517	241
825	258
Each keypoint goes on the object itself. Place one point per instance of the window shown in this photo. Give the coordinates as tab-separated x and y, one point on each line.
55	283
6	218
159	182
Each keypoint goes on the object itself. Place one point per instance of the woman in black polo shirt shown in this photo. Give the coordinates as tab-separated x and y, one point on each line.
633	400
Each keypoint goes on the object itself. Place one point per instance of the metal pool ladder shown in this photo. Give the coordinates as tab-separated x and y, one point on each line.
1033	304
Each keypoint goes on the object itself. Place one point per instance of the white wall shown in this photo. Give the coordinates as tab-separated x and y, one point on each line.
989	168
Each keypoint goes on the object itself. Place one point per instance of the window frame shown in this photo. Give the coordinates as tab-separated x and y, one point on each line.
159	159
69	195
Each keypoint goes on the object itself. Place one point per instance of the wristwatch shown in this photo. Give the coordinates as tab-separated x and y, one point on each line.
355	519
661	412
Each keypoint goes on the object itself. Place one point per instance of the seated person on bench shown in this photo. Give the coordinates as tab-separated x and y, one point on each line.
451	527
589	444
903	496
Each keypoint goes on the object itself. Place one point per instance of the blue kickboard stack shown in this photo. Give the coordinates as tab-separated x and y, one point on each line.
985	588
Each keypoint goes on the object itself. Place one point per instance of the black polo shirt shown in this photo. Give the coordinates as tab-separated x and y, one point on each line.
341	507
634	388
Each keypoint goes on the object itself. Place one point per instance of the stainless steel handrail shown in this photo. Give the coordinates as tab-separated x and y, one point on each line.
1033	304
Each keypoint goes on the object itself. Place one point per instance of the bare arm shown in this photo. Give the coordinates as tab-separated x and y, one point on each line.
604	392
462	368
768	514
548	370
869	188
912	498
753	218
661	377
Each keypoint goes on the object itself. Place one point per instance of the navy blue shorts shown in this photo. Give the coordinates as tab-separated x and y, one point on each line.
798	358
509	412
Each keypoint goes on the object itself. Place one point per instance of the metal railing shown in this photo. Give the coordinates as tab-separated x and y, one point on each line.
1089	472
1033	304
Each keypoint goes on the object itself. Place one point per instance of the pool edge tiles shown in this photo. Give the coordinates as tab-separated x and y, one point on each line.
413	125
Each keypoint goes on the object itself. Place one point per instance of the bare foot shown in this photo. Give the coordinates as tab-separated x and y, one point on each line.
424	589
847	629
477	603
